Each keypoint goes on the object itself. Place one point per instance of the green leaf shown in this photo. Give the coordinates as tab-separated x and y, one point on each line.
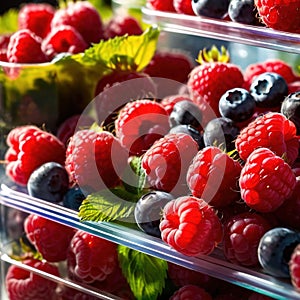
9	21
128	52
109	205
145	274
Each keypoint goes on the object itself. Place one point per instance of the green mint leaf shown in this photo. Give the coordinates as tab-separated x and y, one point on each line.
109	205
9	21
128	52
145	274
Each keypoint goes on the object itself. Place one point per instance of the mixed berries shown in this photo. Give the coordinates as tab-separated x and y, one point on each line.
278	15
210	167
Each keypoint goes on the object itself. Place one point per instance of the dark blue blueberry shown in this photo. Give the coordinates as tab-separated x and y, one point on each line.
49	182
237	104
290	107
221	132
148	211
275	250
269	89
186	113
243	11
73	198
190	130
210	8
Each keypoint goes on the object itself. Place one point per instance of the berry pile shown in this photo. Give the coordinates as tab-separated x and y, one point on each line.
213	166
44	31
277	15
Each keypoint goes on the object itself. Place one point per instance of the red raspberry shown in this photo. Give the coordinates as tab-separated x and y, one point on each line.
242	234
294	267
183	7
191	292
272	130
280	15
167	161
191	226
266	181
209	81
271	65
25	47
36	17
166	64
63	39
166	5
3	55
91	258
288	213
117	88
120	25
181	276
22	284
140	123
84	17
29	148
168	102
50	238
213	175
95	159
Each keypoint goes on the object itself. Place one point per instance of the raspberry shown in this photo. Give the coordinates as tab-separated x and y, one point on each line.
63	39
29	148
271	65
166	5
84	17
272	130
167	161
95	159
183	7
50	238
294	267
4	40
213	175
280	15
140	123
117	88
168	102
122	24
266	181
166	64
22	284
242	234
25	47
191	226
191	292
91	258
36	17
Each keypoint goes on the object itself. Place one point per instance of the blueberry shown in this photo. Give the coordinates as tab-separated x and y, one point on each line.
186	112
275	250
190	130
290	107
237	104
221	132
49	182
269	89
148	211
210	8
73	198
243	11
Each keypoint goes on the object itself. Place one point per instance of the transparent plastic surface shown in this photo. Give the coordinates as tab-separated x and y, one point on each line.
213	265
223	30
